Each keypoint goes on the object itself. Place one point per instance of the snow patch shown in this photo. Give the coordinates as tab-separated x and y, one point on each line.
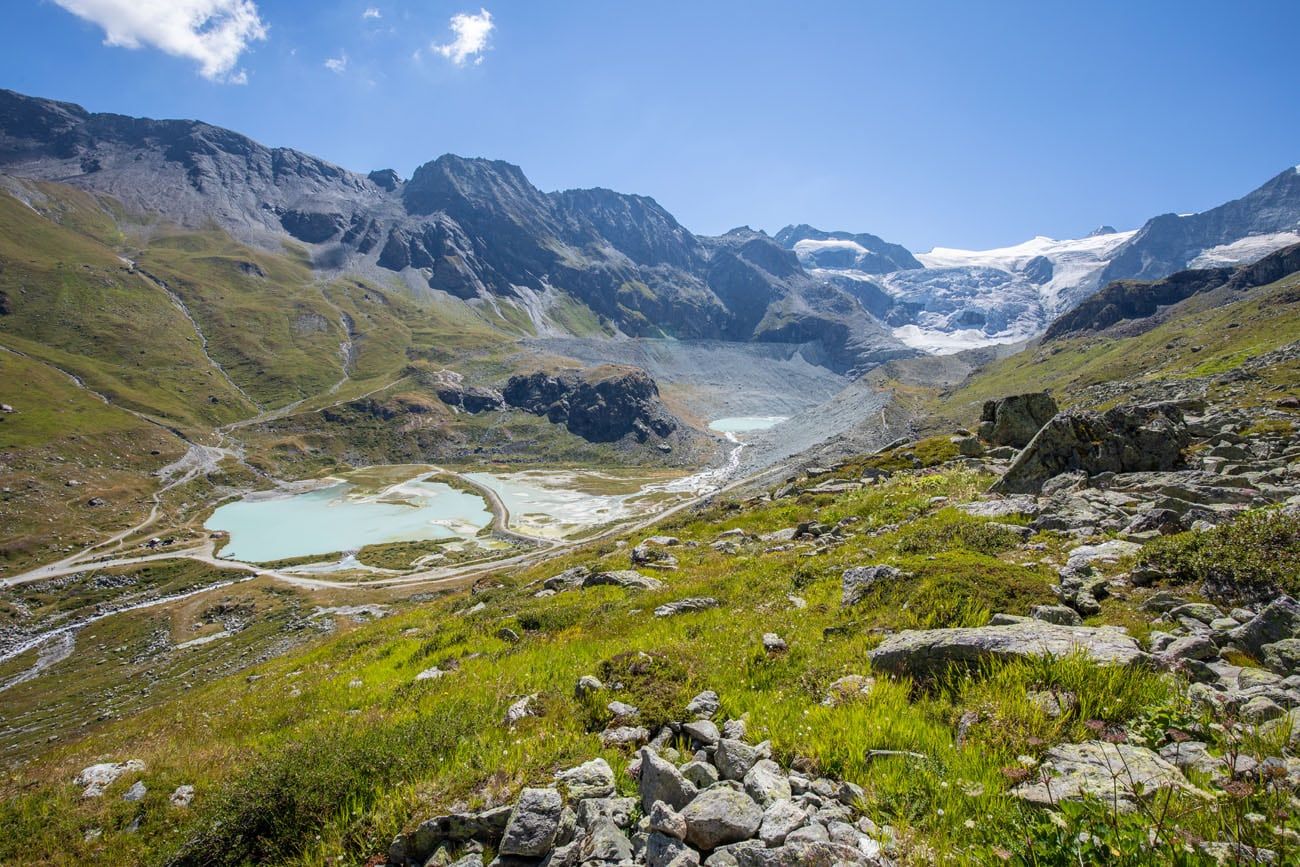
938	342
1248	249
809	246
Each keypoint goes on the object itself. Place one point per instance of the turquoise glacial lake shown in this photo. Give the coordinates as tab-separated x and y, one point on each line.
333	518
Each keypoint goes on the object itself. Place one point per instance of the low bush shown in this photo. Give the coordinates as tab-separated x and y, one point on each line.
1257	551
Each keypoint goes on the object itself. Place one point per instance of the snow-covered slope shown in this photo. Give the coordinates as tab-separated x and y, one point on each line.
960	299
968	298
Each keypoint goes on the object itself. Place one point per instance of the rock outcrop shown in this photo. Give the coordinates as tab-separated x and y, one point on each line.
599	405
1125	439
1013	421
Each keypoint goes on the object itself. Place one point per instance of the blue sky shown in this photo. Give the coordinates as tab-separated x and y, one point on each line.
955	123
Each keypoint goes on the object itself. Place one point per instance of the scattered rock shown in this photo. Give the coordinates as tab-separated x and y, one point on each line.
686	606
97	778
857	581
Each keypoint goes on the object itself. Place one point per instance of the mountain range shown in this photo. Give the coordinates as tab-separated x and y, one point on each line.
477	230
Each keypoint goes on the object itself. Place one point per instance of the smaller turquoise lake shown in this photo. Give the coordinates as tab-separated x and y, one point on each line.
746	423
330	519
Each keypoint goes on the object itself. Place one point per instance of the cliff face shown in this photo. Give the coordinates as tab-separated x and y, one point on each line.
602	405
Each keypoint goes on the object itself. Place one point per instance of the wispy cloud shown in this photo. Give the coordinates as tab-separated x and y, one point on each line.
213	33
371	12
338	64
472	32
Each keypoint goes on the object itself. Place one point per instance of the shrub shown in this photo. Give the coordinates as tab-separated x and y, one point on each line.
1257	551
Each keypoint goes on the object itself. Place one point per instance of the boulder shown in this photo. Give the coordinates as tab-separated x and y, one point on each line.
665	820
1013	421
1283	656
1125	439
626	578
1059	615
1277	622
1116	773
719	816
779	820
97	778
661	781
735	758
857	581
686	606
530	833
593	779
766	783
704	705
922	653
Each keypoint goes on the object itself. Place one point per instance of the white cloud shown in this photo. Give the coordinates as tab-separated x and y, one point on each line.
471	40
371	12
337	64
213	33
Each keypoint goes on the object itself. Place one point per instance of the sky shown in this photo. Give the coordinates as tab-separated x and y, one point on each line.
959	124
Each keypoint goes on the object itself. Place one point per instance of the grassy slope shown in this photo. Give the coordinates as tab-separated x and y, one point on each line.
75	304
61	433
341	741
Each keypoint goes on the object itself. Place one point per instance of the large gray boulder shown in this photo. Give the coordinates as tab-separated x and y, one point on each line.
1013	421
922	653
1117	773
1126	439
719	816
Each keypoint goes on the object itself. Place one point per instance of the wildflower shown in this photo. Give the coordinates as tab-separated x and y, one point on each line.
1254	818
1058	820
969	824
1095	726
1027	761
1015	775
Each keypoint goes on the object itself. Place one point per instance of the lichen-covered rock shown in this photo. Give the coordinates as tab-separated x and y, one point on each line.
1277	622
1116	773
856	582
719	816
533	824
921	653
593	779
661	781
686	606
626	578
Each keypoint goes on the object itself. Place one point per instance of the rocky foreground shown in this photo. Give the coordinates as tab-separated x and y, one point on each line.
725	803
